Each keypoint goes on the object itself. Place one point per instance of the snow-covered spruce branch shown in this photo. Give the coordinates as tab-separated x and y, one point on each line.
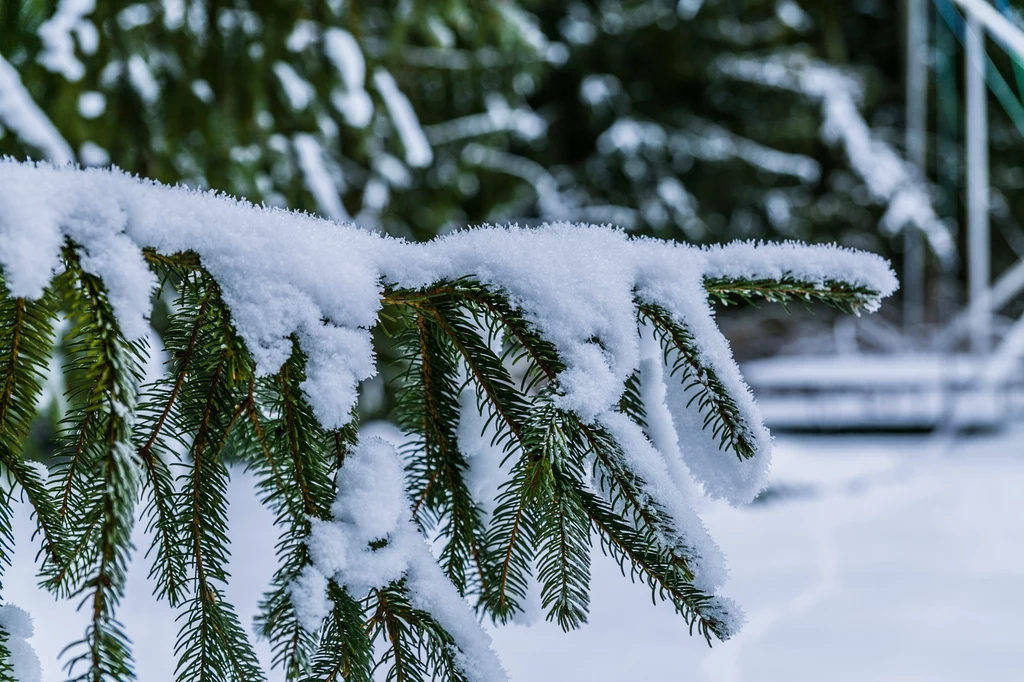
890	179
21	114
587	364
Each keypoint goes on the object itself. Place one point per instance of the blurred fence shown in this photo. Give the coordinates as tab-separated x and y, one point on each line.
939	388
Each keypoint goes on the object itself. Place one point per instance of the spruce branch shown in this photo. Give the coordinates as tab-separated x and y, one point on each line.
417	647
26	344
100	487
211	642
643	536
345	651
563	532
428	405
844	296
719	408
157	448
295	481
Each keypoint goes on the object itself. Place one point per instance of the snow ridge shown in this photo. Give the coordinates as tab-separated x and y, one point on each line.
19	113
284	273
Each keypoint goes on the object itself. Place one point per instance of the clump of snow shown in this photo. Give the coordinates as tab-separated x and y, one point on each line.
17	623
477	441
297	90
418	153
19	113
688	9
58	54
354	102
793	15
521	121
304	34
318	179
91	104
888	177
92	154
597	89
710	142
134	16
142	80
371	506
202	90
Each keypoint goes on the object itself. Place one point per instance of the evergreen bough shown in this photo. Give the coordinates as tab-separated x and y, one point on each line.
160	451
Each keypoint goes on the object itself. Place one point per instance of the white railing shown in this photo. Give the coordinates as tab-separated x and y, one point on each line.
985	298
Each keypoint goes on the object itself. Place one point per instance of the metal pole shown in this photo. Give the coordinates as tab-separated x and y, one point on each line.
916	143
977	188
995	23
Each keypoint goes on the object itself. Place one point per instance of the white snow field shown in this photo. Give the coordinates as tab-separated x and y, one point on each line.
871	558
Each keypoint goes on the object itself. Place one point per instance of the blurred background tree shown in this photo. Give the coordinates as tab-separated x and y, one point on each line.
700	120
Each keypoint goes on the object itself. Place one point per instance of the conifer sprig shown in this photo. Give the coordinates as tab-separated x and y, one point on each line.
295	468
836	293
212	644
719	408
95	475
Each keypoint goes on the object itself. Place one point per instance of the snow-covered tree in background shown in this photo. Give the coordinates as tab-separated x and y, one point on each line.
734	119
700	120
560	386
334	107
417	117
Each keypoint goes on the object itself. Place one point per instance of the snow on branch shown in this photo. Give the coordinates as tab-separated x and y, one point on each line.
710	143
19	113
888	177
625	395
58	37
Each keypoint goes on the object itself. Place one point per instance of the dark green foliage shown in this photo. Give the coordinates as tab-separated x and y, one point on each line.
417	648
428	405
211	642
563	533
841	295
93	477
296	460
345	650
213	128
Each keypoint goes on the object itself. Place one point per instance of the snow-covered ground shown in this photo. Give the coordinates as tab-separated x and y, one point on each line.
875	558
